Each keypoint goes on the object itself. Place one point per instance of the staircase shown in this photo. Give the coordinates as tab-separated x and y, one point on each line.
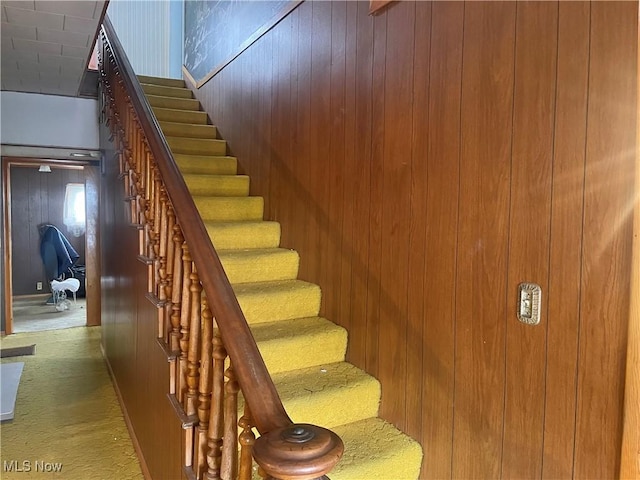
304	353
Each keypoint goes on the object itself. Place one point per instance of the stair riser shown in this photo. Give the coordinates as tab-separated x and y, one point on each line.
322	342
197	146
223	209
176	103
163	91
180	116
244	235
280	305
188	130
282	265
199	165
218	185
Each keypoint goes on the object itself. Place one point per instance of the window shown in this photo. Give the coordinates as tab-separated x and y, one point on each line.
74	212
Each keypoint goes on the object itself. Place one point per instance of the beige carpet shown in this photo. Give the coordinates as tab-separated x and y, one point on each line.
67	415
31	314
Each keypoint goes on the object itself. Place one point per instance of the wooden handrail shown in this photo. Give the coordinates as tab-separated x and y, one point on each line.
166	213
250	369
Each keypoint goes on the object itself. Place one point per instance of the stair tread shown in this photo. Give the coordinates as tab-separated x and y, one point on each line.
206	164
165	90
180	116
244	234
259	264
217	185
188	130
375	449
162	101
328	395
278	300
173	82
280	343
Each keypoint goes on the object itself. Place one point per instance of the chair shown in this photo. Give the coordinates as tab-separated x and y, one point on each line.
59	290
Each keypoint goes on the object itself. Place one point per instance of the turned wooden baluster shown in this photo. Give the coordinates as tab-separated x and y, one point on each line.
166	267
193	359
185	320
247	440
216	417
205	388
176	289
229	465
157	228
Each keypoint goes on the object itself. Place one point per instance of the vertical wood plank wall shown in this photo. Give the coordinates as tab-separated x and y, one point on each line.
424	162
37	198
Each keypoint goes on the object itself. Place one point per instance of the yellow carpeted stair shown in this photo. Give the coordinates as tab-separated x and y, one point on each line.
318	386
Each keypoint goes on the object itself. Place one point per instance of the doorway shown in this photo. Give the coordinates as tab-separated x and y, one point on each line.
34	190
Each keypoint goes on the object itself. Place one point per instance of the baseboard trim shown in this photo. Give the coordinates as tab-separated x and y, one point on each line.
127	420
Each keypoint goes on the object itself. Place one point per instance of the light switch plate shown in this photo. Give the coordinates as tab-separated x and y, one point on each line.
529	300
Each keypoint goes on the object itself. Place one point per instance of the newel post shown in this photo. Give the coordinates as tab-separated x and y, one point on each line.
298	452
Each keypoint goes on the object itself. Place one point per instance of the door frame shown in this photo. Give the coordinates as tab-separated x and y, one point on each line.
92	254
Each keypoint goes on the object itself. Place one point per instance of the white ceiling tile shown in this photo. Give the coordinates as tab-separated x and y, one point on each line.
19	55
38	47
64	62
79	52
32	18
10	83
27	66
80	25
17	31
26	4
74	8
8	65
66	38
4	14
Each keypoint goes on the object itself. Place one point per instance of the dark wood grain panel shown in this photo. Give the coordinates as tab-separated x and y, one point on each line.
361	185
440	247
418	219
529	235
396	207
607	234
483	238
566	239
374	259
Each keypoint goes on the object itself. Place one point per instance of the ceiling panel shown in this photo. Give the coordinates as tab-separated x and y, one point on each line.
46	44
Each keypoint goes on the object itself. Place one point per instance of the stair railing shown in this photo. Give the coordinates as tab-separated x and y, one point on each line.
200	323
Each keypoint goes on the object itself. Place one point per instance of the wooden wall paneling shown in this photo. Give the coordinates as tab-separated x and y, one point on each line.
347	254
20	254
279	175
481	289
301	149
396	210
529	234
440	248
376	193
36	198
266	102
566	239
361	184
318	138
606	261
418	218
335	178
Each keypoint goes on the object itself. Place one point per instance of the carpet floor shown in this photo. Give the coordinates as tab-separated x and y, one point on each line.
68	423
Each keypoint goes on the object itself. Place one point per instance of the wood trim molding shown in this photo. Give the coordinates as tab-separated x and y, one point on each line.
92	261
630	451
6	260
376	6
